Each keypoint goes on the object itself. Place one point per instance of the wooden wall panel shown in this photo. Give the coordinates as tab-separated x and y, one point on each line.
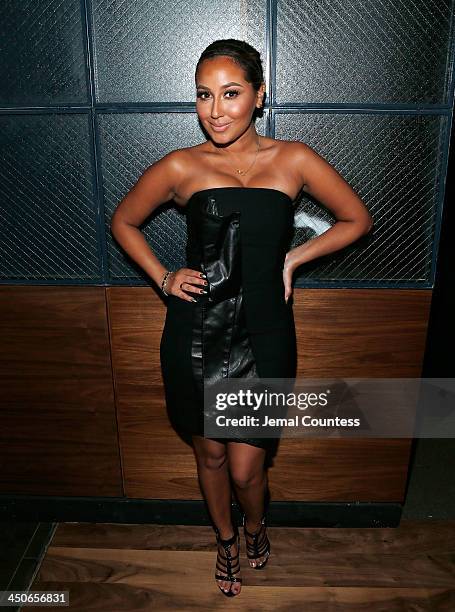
58	433
63	434
350	333
361	332
341	332
157	463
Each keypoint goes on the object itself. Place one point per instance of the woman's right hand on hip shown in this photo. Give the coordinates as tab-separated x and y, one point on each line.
186	280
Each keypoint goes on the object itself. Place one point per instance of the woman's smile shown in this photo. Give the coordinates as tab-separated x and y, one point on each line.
221	128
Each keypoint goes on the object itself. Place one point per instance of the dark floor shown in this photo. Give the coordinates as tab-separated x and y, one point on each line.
431	495
22	547
431	488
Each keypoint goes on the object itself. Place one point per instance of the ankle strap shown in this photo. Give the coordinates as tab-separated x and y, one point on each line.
228	541
261	526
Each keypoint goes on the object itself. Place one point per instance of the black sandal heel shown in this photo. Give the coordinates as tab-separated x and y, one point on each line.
260	546
230	563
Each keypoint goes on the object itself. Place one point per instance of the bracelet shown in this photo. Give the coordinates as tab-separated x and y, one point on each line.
163	282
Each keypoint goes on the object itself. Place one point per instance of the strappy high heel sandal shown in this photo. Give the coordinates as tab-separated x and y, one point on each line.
230	564
259	544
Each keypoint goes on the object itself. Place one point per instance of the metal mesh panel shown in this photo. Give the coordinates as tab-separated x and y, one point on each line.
147	51
130	143
393	162
320	53
42	53
369	51
47	203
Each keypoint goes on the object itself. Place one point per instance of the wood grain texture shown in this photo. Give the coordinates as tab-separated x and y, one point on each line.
369	333
59	431
65	432
157	463
340	333
156	567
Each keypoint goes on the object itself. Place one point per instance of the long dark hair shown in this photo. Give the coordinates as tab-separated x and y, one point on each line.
246	56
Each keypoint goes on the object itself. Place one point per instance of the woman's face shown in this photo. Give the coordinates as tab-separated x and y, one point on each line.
225	98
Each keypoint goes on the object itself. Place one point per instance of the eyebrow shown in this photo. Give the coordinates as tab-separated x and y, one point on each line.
224	86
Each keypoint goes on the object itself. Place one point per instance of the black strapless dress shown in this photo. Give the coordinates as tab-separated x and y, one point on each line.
242	327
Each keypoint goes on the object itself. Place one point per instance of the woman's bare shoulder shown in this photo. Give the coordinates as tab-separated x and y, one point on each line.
183	159
179	161
190	152
288	151
290	146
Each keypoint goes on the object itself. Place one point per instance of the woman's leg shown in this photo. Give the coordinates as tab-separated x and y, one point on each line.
246	465
212	466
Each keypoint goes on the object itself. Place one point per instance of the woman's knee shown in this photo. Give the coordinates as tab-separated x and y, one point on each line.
244	476
213	461
210	454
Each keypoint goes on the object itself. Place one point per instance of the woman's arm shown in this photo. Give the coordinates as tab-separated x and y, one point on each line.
323	182
154	187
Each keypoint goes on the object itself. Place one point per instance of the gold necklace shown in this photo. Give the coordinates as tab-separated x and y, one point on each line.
243	172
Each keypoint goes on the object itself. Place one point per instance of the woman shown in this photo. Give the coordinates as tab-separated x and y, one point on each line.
238	190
